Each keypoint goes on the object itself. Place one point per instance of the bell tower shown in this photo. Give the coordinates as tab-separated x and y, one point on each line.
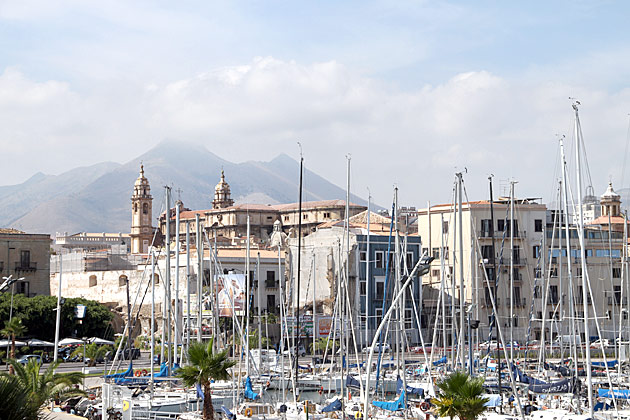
141	215
610	202
222	196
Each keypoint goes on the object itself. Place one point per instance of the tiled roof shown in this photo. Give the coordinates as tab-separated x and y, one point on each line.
10	230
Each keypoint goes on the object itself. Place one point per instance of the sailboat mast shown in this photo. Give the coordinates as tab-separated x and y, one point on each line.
585	288
185	348
512	271
152	318
199	276
296	333
462	296
167	282
249	288
259	313
496	289
367	275
177	329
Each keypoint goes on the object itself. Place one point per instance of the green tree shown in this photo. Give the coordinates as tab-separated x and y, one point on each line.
203	367
13	328
93	352
42	387
460	396
321	343
15	400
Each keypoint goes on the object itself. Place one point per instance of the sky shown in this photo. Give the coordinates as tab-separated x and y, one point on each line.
411	91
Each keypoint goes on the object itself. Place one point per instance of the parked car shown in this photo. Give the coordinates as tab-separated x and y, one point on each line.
301	351
135	354
25	359
384	348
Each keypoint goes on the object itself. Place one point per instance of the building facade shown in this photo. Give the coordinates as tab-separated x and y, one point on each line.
26	257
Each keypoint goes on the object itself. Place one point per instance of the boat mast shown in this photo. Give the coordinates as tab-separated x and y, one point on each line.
167	281
248	286
462	296
512	271
152	319
259	314
176	338
199	276
367	274
585	288
496	289
296	333
187	287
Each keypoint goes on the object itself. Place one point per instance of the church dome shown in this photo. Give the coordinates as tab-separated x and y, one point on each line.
222	195
610	194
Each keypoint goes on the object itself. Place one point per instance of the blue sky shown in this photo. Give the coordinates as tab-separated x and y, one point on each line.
413	88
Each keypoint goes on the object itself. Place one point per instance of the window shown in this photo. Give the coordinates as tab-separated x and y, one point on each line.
516	254
445	226
362	287
490	273
410	261
157	279
539	315
554	272
538	225
554	315
537	272
145	208
326	215
616	272
485	227
487	296
486	254
435	272
305	217
500	225
362	256
286	218
122	281
22	288
425	251
379	258
536	251
25	259
408	319
135	207
617	294
445	252
516	295
537	294
93	280
271	279
578	271
378	312
553	295
380	287
435	253
271	303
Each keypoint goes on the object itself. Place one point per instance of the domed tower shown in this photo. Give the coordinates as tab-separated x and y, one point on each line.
141	215
222	197
610	202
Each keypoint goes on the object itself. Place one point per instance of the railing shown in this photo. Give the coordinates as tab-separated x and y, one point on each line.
271	284
506	261
19	266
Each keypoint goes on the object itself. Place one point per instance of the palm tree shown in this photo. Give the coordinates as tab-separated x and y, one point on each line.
13	328
461	396
203	367
92	351
15	400
42	387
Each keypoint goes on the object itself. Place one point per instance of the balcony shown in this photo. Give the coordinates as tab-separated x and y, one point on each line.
20	266
272	284
506	261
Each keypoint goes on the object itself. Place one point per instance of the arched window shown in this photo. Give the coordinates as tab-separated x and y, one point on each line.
145	208
122	281
135	207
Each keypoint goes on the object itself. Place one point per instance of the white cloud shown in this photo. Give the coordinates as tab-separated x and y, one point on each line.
414	138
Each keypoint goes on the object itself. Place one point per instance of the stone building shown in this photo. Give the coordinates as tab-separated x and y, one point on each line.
26	256
229	220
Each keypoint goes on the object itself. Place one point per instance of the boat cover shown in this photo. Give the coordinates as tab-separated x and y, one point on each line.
249	392
163	373
399	404
333	406
126	374
564	386
610	363
601	406
622	394
524	378
228	413
494	400
351	382
411	390
439	362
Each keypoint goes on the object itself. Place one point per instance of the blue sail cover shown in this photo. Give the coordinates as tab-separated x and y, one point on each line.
524	378
622	394
439	362
610	363
249	392
352	383
126	374
564	386
163	373
411	390
399	404
333	406
228	413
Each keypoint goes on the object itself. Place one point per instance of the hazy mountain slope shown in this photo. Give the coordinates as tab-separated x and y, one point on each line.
99	201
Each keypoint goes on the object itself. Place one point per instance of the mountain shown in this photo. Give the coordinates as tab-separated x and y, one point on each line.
97	198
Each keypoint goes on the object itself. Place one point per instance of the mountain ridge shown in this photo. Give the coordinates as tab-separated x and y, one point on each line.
97	198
